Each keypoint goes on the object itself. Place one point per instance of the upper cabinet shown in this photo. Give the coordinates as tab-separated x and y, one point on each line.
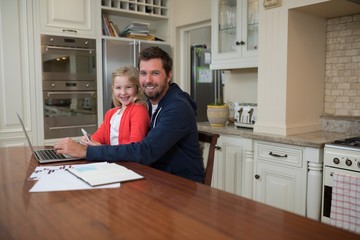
234	33
68	17
148	19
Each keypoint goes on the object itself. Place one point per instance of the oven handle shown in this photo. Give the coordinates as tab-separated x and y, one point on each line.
70	93
69	48
73	126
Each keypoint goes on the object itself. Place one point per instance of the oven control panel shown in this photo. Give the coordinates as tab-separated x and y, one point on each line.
342	158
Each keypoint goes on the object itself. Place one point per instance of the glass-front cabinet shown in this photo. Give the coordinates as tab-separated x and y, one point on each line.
234	33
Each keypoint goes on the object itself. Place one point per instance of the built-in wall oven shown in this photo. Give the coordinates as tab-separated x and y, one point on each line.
69	85
341	184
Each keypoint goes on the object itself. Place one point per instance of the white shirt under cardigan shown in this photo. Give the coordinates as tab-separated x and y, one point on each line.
115	126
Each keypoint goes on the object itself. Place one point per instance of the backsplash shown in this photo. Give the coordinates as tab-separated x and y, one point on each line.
342	81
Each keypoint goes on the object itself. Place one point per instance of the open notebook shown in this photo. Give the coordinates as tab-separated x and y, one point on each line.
97	174
45	155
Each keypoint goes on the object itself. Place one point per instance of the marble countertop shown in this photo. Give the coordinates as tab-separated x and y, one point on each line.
312	139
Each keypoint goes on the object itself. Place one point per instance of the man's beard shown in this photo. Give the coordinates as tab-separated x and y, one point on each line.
152	97
155	95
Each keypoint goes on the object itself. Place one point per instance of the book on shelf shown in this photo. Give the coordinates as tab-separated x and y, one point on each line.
114	29
136	28
140	36
109	27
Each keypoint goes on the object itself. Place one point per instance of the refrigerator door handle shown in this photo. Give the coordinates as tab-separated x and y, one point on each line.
136	51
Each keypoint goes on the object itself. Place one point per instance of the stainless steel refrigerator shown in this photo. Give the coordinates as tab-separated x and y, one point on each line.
121	52
206	84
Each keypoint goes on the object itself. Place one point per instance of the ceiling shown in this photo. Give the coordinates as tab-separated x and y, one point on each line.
333	8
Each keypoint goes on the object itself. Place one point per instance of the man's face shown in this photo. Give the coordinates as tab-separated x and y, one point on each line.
153	79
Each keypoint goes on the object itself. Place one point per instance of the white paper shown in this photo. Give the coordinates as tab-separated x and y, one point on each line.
207	59
204	75
47	170
55	178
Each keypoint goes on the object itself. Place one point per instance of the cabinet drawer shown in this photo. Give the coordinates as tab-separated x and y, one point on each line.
279	153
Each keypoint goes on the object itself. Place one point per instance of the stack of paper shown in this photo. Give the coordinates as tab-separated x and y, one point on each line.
80	177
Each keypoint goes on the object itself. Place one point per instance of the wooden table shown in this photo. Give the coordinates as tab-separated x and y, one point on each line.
161	206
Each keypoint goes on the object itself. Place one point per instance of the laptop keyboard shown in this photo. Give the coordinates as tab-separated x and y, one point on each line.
50	154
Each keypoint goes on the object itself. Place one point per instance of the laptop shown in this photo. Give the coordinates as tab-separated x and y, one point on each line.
45	155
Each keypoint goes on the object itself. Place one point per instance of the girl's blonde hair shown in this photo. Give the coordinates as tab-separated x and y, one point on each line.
133	75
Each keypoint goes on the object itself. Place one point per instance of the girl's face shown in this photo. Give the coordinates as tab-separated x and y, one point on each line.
124	91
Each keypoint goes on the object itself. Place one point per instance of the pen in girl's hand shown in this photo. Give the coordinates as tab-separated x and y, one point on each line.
85	134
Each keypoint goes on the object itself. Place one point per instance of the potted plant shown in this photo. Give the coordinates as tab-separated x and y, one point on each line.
217	113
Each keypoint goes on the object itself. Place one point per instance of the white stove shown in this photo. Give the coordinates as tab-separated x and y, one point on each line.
341	157
344	154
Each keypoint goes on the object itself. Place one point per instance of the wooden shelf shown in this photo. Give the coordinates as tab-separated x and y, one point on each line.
132	14
145	9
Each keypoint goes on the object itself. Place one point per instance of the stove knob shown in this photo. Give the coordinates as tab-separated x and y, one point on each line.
336	160
348	162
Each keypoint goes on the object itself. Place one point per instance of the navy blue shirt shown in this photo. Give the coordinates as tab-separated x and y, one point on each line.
172	143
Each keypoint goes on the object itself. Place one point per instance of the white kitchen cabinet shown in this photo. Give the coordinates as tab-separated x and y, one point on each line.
17	79
280	176
234	25
68	17
233	165
122	13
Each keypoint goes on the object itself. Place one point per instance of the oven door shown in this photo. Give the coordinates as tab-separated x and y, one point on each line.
65	63
66	112
327	189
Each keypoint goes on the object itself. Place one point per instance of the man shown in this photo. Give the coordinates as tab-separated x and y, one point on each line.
172	142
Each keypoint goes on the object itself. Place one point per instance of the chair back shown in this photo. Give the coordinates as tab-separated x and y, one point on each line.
211	139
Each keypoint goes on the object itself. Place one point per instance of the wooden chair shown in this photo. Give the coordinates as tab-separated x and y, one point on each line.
211	139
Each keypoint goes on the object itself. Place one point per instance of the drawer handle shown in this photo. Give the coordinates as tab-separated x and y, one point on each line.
277	155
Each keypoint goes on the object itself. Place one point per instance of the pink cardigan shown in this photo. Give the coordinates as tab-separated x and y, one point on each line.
134	125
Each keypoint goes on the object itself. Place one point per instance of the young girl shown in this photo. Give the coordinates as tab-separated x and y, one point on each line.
129	120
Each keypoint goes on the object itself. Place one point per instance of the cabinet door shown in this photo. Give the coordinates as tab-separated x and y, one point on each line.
227	20
73	17
250	30
234	33
231	165
279	186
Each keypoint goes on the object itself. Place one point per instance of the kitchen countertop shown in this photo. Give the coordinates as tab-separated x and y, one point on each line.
312	139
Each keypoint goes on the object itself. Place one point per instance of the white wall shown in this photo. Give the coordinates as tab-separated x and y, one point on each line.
186	12
241	85
184	15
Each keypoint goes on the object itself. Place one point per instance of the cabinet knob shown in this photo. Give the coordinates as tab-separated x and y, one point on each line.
217	147
240	43
257	176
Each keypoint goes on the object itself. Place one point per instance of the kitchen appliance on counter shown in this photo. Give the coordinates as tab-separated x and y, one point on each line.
69	85
117	53
341	158
245	114
206	84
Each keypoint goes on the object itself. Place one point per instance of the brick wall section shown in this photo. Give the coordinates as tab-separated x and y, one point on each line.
342	82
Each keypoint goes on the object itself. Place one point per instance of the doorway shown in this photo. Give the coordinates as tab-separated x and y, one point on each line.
198	33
